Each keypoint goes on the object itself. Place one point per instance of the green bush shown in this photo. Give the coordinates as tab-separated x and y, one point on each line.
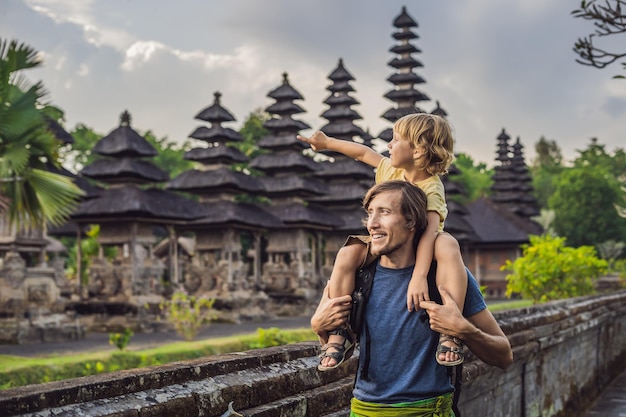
549	270
268	338
188	313
120	340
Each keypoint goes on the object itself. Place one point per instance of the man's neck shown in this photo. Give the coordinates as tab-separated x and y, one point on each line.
398	259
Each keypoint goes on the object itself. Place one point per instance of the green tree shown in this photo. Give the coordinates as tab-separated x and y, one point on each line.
596	156
35	196
549	270
171	156
545	169
583	203
621	210
252	131
608	19
585	196
79	155
474	177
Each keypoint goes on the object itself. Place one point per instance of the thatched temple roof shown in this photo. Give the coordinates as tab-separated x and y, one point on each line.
215	181
244	215
124	170
124	141
132	203
305	216
494	223
216	155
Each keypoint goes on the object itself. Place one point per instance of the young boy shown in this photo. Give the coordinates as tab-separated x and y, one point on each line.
421	150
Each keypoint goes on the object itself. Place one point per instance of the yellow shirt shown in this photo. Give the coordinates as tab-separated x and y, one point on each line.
432	187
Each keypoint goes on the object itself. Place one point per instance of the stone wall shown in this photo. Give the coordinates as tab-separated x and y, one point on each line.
565	353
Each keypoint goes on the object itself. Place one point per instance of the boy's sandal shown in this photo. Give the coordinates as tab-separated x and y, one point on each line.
458	349
343	351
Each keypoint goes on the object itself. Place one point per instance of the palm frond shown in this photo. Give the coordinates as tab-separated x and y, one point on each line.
56	194
35	195
18	56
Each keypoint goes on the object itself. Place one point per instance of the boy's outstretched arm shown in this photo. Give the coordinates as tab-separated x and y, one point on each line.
319	142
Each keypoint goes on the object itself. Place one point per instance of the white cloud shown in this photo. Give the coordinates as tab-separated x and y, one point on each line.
83	71
62	11
83	14
139	53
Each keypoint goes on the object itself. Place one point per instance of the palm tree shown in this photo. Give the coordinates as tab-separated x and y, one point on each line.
30	195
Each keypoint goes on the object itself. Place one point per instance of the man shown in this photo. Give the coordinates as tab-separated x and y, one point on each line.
398	374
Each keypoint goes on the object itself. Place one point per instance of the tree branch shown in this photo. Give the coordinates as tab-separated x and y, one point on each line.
608	19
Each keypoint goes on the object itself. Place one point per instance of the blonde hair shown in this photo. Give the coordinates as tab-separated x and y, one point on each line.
432	132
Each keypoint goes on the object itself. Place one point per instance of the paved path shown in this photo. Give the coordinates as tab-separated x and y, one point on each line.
612	401
100	341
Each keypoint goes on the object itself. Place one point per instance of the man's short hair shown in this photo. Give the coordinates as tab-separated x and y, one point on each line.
412	203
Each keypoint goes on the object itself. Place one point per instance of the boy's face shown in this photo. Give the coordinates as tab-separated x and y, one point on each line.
402	153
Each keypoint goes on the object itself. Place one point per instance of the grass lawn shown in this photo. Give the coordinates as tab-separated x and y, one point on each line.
510	305
17	370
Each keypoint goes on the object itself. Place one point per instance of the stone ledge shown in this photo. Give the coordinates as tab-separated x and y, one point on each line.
33	398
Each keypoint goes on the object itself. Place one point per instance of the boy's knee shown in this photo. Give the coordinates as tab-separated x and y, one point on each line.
446	246
351	254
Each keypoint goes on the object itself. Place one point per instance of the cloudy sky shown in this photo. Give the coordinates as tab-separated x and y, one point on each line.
492	64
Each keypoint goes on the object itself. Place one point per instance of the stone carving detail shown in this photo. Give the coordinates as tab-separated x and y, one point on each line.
280	277
38	293
14	269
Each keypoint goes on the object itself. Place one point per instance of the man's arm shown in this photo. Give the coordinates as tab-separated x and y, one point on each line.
480	332
331	313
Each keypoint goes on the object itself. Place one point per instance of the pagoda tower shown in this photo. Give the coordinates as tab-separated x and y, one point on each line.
404	94
293	249
505	186
340	114
512	182
219	233
127	211
528	206
439	111
348	180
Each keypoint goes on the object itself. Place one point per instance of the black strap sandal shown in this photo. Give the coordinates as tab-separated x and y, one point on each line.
458	349
343	351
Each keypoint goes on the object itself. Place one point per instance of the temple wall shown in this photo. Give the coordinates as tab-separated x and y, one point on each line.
565	353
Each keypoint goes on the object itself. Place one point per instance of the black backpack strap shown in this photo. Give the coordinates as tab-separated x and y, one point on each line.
366	362
457	380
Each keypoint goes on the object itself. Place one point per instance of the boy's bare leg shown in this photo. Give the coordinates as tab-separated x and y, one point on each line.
452	276
347	261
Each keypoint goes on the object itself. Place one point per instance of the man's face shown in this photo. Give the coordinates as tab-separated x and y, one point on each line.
387	225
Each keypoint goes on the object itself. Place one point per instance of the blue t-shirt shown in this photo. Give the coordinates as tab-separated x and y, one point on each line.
402	365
